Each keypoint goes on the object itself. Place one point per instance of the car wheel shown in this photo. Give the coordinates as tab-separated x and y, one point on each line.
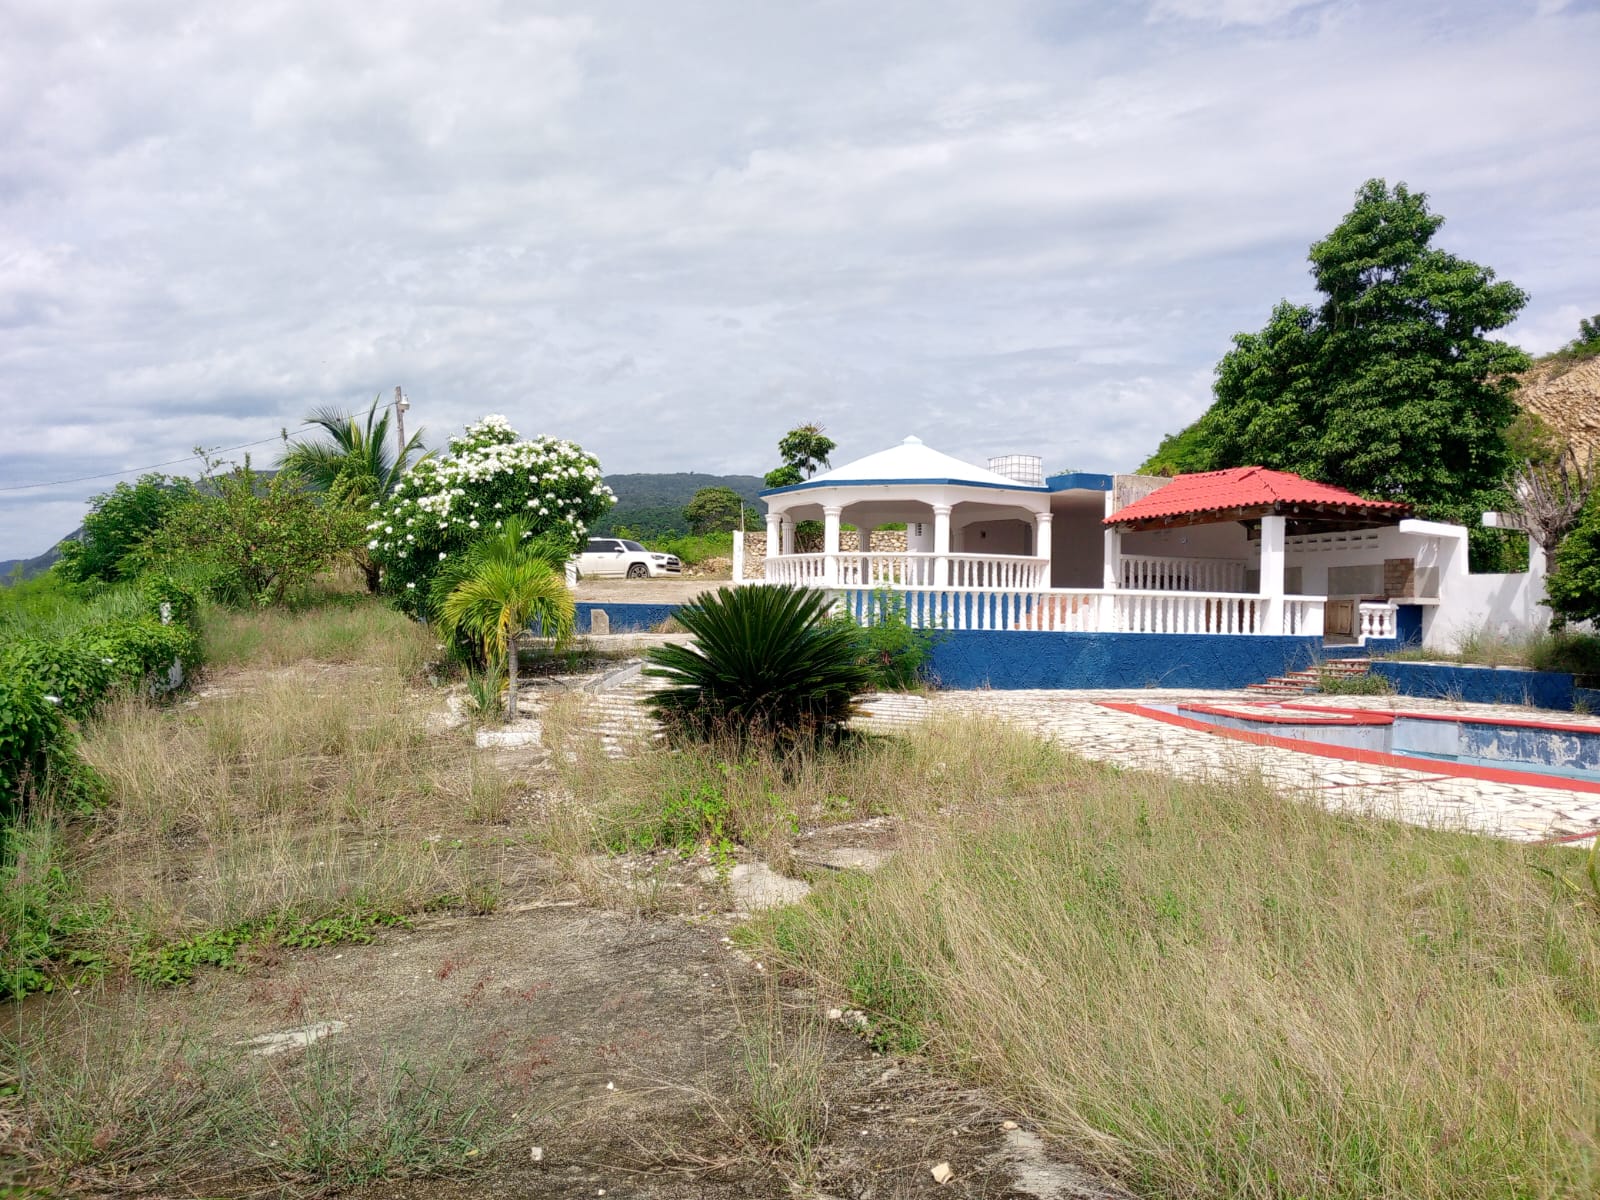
638	571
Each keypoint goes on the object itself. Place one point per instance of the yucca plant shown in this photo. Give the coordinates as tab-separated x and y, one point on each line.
499	586
766	662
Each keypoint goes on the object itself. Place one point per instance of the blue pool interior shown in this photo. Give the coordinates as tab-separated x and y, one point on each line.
1542	750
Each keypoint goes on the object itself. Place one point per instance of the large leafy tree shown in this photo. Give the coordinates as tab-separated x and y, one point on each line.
804	450
1390	386
714	510
118	523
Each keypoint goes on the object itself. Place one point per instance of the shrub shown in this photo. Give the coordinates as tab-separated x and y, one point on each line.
891	648
442	506
255	542
33	733
767	661
77	674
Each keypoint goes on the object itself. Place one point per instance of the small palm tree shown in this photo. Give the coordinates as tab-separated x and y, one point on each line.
496	589
766	661
354	464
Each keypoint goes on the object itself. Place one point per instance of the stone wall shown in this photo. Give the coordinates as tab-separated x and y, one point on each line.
884	541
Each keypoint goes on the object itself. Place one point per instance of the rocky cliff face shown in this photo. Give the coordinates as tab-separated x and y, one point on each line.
1567	396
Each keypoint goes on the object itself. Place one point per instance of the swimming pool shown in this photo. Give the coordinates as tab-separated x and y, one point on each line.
1540	753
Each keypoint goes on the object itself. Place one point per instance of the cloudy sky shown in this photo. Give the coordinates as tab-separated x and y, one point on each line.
671	229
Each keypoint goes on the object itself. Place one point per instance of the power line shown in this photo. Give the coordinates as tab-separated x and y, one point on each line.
21	487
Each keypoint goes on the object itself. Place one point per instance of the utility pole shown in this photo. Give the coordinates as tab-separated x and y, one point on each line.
400	406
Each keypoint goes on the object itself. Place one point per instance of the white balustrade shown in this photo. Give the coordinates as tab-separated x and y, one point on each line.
986	572
1302	615
1155	573
1084	611
1377	620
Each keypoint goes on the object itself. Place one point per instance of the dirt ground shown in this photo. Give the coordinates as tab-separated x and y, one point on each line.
619	1040
646	591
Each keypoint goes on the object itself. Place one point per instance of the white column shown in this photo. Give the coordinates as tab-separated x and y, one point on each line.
738	557
830	542
1041	544
786	536
774	534
1274	534
1111	549
941	545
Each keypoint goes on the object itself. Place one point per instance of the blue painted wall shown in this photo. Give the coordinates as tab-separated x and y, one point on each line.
1479	685
625	618
970	658
1408	624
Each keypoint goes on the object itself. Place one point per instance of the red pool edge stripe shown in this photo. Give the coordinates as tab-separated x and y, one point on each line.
1371	758
1462	719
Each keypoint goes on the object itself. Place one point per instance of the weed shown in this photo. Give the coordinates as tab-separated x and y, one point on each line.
782	1067
1386	1010
1370	683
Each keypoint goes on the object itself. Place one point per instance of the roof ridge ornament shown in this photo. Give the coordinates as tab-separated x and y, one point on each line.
913	440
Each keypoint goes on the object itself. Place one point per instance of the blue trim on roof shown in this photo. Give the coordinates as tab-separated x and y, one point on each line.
1079	481
835	483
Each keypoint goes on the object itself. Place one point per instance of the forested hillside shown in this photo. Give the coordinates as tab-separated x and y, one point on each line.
652	505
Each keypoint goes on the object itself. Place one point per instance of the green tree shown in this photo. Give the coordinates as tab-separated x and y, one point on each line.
1588	340
354	464
714	510
1390	386
254	541
118	523
497	588
355	456
803	449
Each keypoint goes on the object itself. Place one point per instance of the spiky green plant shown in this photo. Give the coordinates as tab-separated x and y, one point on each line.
495	590
766	662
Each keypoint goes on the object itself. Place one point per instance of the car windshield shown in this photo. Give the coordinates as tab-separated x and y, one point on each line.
632	546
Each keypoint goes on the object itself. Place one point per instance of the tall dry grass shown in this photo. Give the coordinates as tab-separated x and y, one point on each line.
1213	990
347	629
310	777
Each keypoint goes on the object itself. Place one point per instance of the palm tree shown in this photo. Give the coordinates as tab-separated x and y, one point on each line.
496	589
354	463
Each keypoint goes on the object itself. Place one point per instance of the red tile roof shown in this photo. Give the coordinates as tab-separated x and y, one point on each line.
1243	487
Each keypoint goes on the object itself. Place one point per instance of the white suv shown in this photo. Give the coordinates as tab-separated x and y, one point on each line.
620	557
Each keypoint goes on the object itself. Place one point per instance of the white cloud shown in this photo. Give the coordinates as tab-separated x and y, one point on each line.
999	225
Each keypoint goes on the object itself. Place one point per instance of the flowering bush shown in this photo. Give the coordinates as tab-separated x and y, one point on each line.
443	505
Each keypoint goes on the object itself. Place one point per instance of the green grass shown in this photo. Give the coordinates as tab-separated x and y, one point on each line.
694	548
1212	990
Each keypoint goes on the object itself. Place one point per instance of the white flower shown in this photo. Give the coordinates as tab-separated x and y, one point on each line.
411	586
441	556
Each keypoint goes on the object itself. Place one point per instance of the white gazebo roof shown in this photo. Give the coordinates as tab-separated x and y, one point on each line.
909	462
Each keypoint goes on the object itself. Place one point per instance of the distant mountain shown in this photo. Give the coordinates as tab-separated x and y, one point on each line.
652	505
36	565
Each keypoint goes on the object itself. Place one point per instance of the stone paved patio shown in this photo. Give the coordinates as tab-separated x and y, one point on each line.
1078	721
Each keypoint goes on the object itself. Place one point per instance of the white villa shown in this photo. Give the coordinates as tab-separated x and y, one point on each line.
1241	552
